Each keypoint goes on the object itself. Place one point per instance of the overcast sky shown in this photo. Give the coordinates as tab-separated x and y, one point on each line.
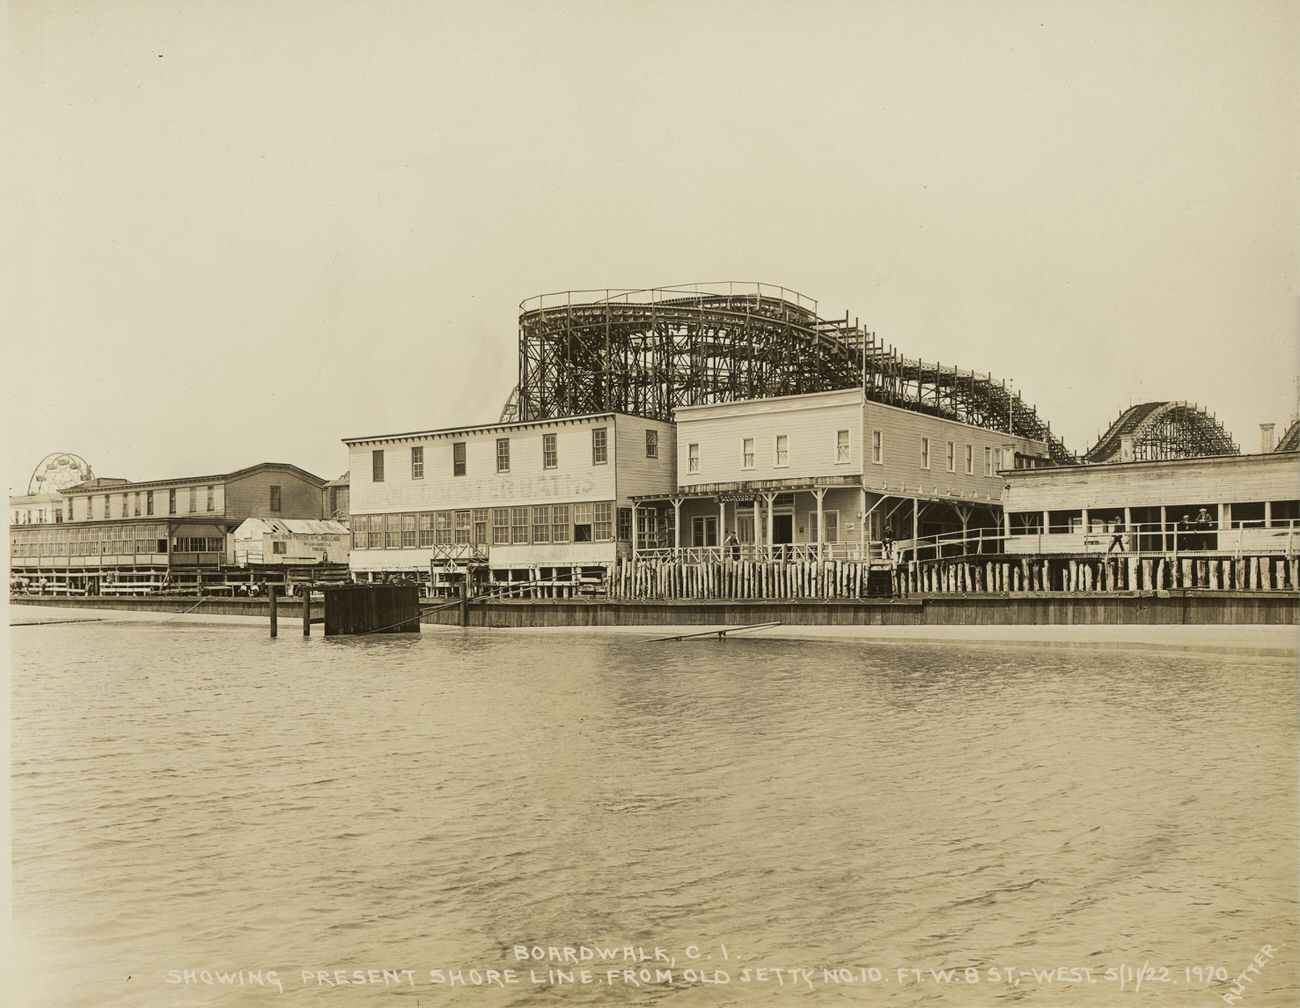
242	231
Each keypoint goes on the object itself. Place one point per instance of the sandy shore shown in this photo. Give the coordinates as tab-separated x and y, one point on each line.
1261	640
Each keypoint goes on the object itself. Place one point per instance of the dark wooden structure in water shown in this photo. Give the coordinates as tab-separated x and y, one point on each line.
367	609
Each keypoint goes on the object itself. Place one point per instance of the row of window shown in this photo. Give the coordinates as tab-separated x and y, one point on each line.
950	456
110	540
142	502
537	524
843	453
1110	518
550	454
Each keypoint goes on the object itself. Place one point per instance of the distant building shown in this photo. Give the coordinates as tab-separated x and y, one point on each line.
290	542
36	509
1228	503
528	500
826	471
336	505
122	536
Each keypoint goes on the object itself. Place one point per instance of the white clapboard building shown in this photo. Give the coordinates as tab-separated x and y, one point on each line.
547	500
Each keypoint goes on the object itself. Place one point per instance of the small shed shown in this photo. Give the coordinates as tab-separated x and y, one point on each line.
291	541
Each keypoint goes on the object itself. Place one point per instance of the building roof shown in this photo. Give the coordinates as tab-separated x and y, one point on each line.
290	526
81	488
485	428
1140	464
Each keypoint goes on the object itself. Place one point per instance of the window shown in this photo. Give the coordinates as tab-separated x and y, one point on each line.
426	528
275	499
782	450
988	461
842	446
877	447
171	503
1026	522
560	523
278	547
194	502
500	526
410	534
599	445
624	524
832	526
1284	513
392	531
541	524
148	504
970	459
693	458
377	465
481	516
581	523
212	498
602	528
417	462
652	444
1065	521
360	526
519	525
747	453
442	528
458	458
550	454
503	454
462	528
952	457
704	530
925	453
139	504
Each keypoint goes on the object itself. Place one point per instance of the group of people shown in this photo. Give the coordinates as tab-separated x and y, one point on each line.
1187	534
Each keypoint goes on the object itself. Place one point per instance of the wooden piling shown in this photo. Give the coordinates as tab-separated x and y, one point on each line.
273	591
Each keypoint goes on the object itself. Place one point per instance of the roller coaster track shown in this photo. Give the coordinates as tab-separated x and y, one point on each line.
1290	439
648	352
1163	430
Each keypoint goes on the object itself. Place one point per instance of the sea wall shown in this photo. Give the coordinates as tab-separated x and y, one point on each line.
976	610
289	608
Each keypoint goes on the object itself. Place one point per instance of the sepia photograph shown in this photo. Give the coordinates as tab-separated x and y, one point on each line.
669	504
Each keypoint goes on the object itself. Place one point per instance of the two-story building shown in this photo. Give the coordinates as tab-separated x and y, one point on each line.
120	536
536	500
827	471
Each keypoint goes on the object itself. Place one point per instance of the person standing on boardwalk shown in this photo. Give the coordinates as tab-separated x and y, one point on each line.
733	545
1117	539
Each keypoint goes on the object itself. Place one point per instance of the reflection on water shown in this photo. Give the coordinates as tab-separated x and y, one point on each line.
202	798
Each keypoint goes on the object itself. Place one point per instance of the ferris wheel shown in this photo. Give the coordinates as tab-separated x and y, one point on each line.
59	471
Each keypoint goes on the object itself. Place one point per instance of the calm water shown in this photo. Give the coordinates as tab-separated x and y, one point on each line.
204	799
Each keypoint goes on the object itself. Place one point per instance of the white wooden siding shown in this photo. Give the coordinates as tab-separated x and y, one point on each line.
636	474
1231	479
810	423
573	479
901	471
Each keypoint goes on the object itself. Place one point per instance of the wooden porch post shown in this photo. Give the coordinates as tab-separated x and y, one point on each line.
820	494
635	537
677	522
864	541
